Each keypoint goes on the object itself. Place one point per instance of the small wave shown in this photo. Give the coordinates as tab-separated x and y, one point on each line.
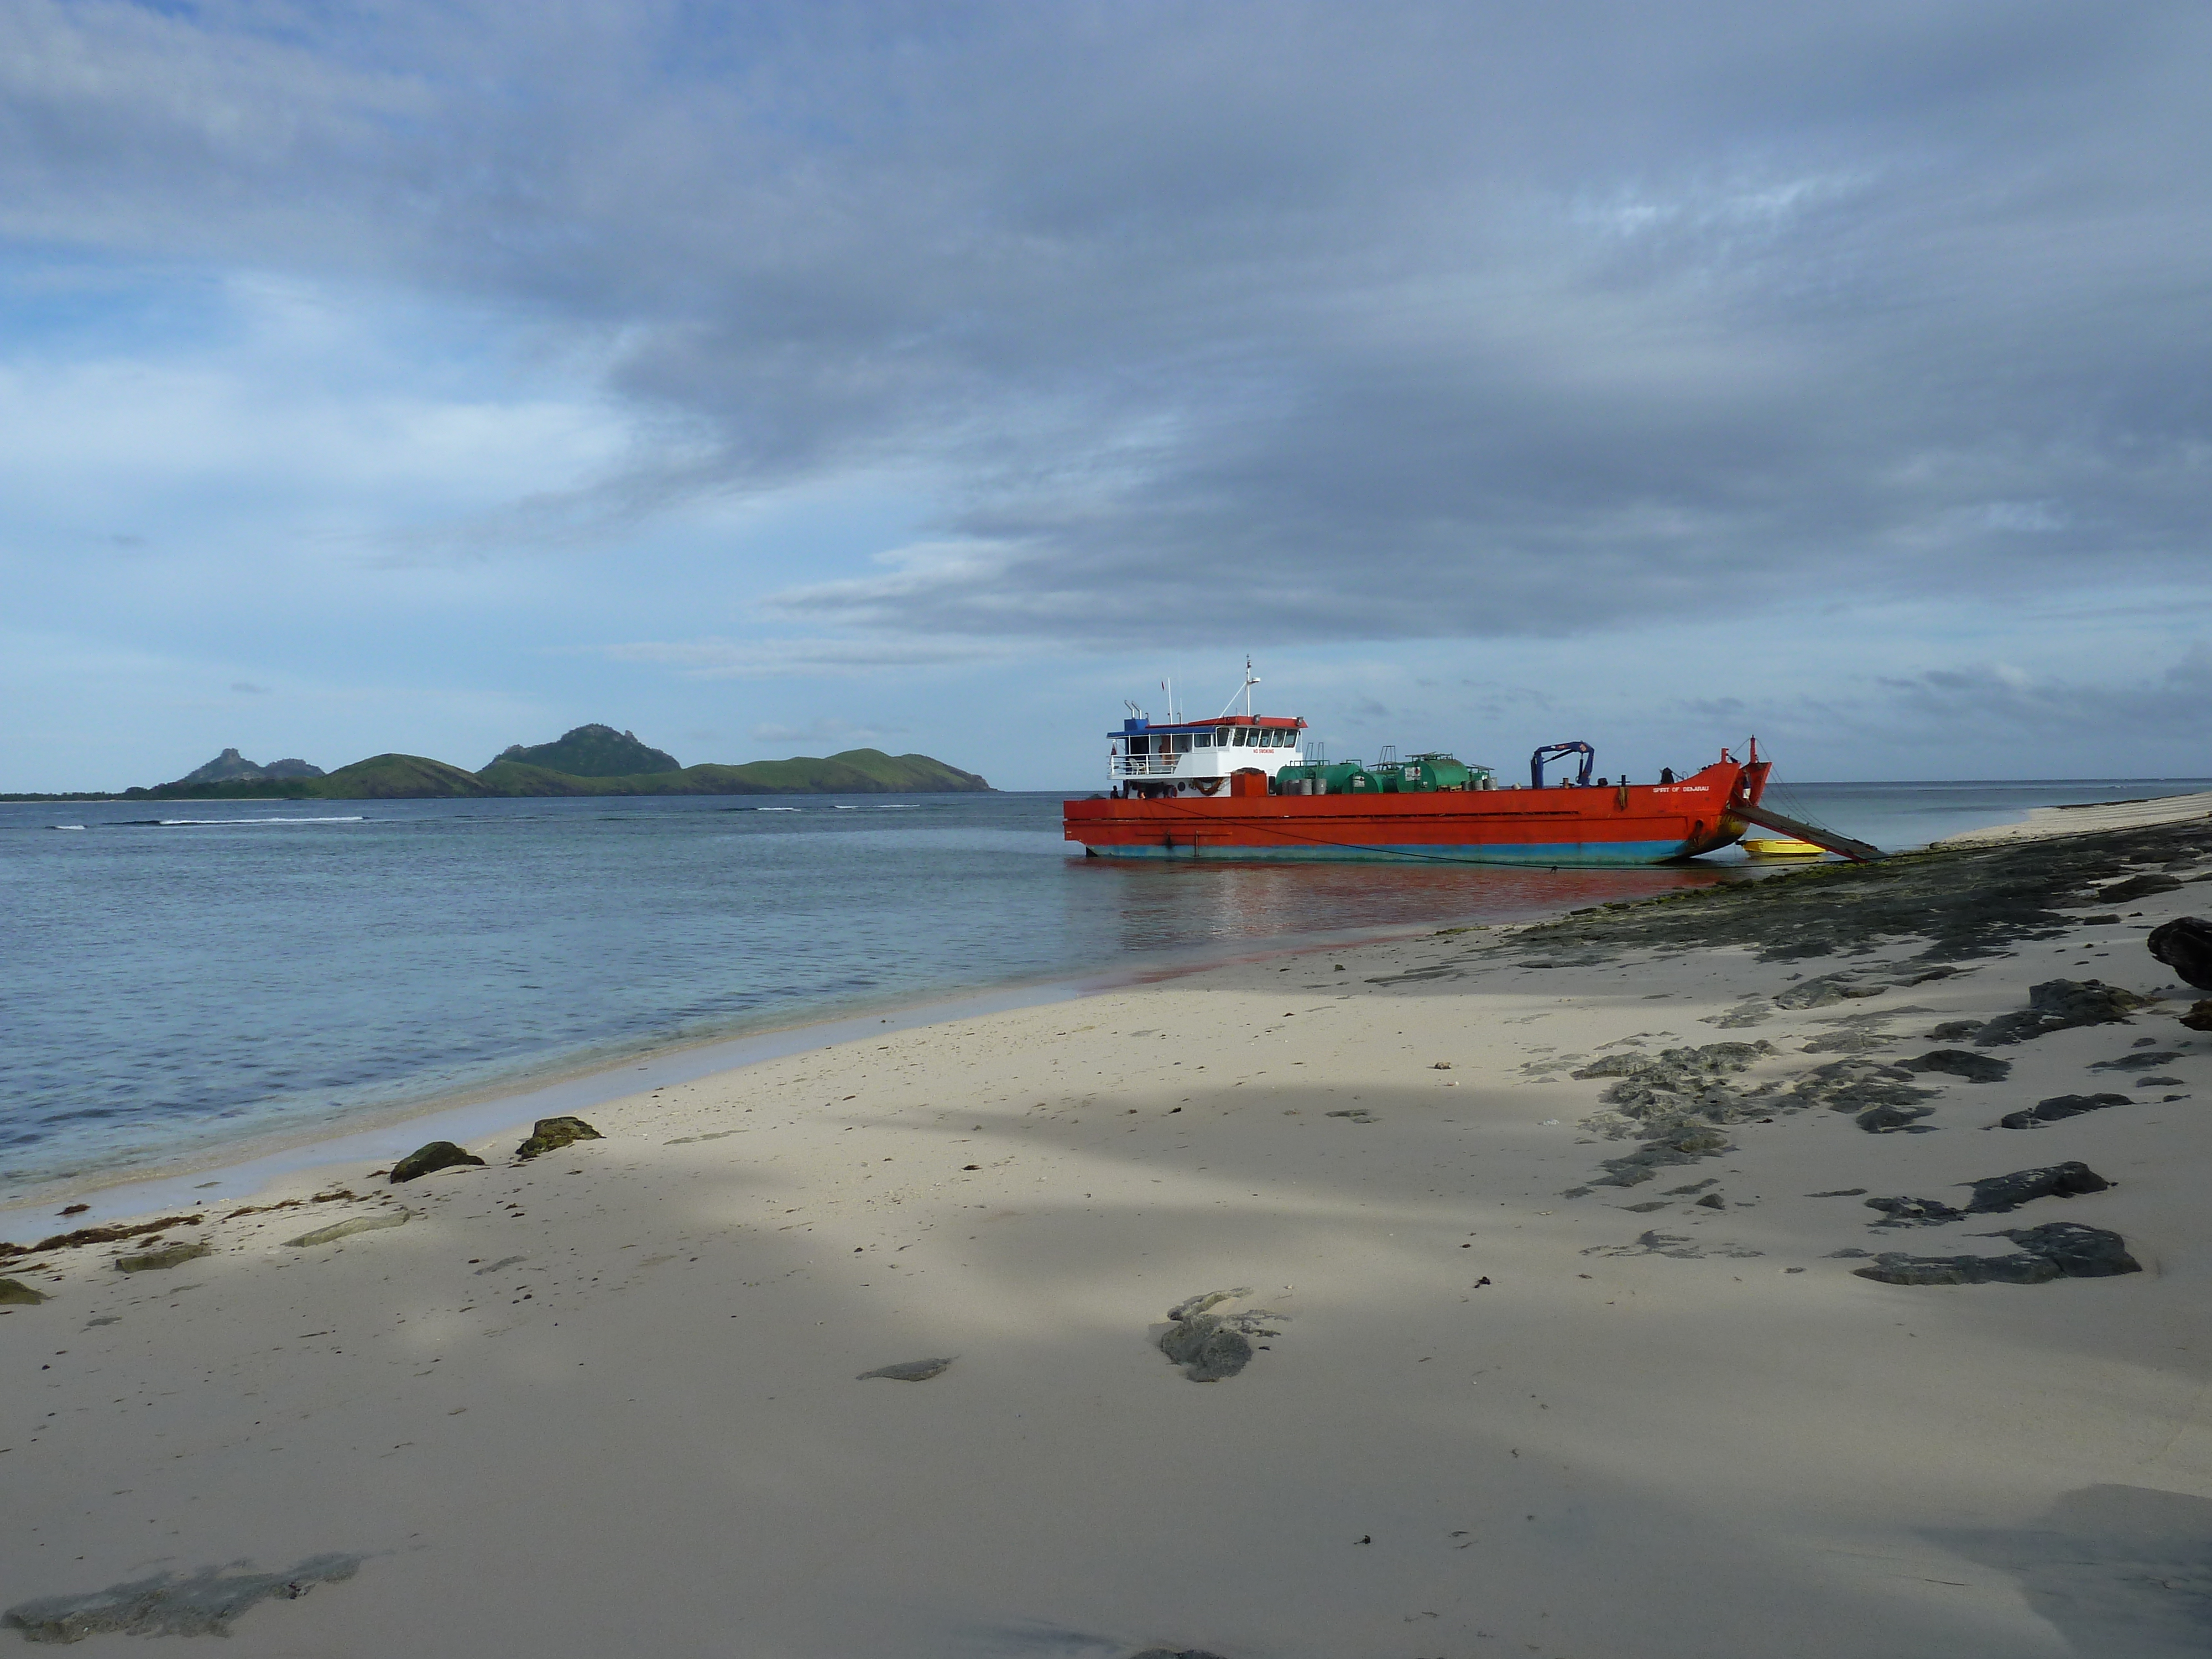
900	806
779	809
844	809
65	826
178	824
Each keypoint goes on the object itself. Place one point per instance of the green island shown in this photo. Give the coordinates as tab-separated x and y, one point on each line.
591	760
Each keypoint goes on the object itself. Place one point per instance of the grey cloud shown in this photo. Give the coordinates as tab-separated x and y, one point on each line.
723	659
1982	719
1985	697
1260	323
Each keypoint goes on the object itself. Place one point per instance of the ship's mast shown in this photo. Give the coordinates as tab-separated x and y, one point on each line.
1244	691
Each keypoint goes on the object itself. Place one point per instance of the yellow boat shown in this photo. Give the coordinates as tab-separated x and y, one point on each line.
1779	849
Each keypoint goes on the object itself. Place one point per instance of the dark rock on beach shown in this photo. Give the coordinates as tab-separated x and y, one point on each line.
1995	1195
203	1604
161	1255
2136	887
1207	1350
1682	1091
2186	946
438	1155
1914	1212
1209	1346
2058	1249
1174	1653
2199	1016
911	1370
1895	1120
1685	1144
1671	1244
2059	1108
1895	1267
1962	1062
1827	990
2141	1060
1849	1042
1855	1086
2058	1005
348	1228
14	1293
1674	1071
2081	1252
549	1134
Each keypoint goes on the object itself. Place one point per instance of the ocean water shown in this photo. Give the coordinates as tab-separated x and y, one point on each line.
170	983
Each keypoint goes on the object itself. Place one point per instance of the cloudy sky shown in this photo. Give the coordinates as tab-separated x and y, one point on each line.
774	379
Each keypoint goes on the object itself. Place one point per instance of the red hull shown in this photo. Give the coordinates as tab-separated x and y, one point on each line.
1624	823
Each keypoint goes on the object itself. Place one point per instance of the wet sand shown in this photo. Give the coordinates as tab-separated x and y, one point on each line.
1531	1362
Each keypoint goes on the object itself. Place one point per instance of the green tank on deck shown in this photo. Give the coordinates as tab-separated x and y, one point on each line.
1342	778
1426	774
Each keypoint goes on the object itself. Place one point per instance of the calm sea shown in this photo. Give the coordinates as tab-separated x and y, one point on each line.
221	970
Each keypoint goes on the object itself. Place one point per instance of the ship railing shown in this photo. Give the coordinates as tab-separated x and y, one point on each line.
1142	766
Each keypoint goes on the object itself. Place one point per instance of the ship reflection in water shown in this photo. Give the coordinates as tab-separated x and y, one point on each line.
1194	908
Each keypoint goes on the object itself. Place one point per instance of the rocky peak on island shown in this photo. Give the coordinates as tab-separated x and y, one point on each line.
231	767
594	751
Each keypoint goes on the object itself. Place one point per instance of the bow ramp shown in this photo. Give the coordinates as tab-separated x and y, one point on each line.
1857	852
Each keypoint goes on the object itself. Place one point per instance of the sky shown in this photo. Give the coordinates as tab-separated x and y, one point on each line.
773	380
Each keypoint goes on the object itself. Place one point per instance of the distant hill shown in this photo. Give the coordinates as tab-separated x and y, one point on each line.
231	767
399	777
592	751
380	777
524	772
855	772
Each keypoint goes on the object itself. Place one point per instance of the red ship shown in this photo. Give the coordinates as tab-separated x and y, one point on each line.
1245	786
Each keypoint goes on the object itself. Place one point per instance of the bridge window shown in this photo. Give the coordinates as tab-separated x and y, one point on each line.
1182	742
1203	740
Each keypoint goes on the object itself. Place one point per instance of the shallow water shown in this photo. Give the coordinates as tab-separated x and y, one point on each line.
224	969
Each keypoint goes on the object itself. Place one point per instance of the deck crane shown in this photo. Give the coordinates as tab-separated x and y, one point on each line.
1552	752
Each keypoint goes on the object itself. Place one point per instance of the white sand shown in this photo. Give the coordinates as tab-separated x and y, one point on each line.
622	1417
2045	823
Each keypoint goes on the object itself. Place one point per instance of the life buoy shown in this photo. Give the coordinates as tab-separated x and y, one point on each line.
1206	786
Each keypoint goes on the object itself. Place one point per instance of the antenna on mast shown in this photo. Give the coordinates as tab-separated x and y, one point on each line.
1243	692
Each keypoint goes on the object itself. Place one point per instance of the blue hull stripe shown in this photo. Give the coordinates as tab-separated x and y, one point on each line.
1551	855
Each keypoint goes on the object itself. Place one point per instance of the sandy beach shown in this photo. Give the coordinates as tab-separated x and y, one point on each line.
1546	1327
